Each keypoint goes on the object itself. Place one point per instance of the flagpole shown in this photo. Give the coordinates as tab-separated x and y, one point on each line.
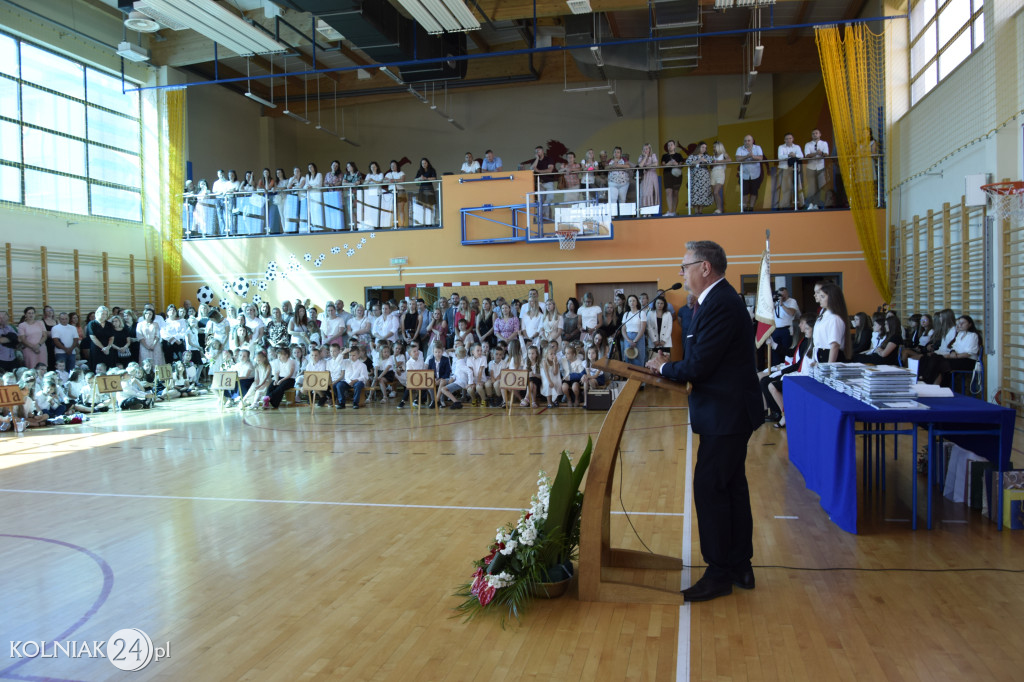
767	250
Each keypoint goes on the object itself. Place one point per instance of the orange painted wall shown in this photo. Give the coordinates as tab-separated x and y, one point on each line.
642	250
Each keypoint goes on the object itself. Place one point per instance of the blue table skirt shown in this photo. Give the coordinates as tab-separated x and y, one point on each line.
820	425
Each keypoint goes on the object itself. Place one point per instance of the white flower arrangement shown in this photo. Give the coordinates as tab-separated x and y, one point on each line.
537	549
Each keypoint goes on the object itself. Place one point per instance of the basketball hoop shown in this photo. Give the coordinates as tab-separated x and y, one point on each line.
1007	200
567	238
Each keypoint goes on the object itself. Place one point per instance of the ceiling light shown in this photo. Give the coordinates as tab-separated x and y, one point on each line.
750	80
758	55
422	16
137	21
215	22
392	75
265	102
296	116
579	6
440	16
597	55
133	53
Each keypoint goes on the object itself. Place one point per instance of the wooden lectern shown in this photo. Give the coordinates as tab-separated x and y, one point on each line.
597	556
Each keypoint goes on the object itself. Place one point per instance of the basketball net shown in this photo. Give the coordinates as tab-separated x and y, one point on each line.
1007	201
566	239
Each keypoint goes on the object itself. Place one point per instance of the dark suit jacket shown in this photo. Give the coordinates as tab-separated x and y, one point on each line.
442	370
719	362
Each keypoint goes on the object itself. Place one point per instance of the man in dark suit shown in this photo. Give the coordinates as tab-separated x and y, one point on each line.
725	408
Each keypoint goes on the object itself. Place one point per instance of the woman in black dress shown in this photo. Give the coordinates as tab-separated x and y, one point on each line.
121	350
673	176
862	327
485	324
50	320
101	336
426	173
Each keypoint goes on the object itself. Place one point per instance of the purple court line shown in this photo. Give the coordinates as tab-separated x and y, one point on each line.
108	585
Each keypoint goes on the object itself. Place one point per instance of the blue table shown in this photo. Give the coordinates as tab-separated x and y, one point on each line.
821	429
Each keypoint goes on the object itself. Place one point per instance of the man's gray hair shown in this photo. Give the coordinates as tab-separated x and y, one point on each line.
710	252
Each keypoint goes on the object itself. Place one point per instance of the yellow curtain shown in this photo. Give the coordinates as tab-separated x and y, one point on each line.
853	75
170	235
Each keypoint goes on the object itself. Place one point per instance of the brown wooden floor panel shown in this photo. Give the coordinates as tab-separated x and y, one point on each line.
276	546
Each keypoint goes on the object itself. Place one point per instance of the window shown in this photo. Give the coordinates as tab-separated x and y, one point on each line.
943	33
69	136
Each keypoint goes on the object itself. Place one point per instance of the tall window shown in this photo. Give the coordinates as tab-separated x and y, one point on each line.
70	140
943	33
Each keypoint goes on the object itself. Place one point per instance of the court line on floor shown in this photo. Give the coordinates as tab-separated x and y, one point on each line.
326	503
683	642
105	590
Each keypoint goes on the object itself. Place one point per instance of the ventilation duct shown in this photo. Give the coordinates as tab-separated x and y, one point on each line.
377	28
676	25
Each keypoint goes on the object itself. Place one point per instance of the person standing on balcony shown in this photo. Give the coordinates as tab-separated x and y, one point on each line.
789	171
750	157
815	152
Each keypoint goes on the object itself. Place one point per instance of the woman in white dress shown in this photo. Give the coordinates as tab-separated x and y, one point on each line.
314	180
281	198
721	158
205	220
371	199
150	347
394	176
334	214
295	203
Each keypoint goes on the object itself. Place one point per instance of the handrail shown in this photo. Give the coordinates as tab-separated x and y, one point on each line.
774	171
374	205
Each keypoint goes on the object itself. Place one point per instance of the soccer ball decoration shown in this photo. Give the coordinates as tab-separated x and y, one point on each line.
204	295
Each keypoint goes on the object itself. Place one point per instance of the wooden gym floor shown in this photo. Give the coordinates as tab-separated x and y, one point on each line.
279	546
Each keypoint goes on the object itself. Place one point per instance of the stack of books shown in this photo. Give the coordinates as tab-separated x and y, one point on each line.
882	387
841	376
888	388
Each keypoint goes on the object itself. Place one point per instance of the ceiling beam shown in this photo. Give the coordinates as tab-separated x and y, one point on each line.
801	16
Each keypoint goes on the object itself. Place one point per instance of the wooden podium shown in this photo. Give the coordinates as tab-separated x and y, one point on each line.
598	559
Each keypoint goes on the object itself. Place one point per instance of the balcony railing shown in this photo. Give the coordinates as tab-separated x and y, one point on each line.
776	188
371	206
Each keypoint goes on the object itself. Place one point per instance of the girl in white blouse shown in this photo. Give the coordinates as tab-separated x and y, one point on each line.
173	334
831	342
550	374
551	322
634	329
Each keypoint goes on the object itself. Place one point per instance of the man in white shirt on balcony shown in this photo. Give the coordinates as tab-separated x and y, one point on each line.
815	152
220	186
788	168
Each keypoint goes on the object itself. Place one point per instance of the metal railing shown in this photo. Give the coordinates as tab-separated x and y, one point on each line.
776	188
368	206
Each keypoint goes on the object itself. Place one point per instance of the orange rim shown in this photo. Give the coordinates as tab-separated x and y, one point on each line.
1004	188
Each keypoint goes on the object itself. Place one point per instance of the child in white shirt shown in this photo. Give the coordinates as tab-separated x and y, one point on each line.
478	390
